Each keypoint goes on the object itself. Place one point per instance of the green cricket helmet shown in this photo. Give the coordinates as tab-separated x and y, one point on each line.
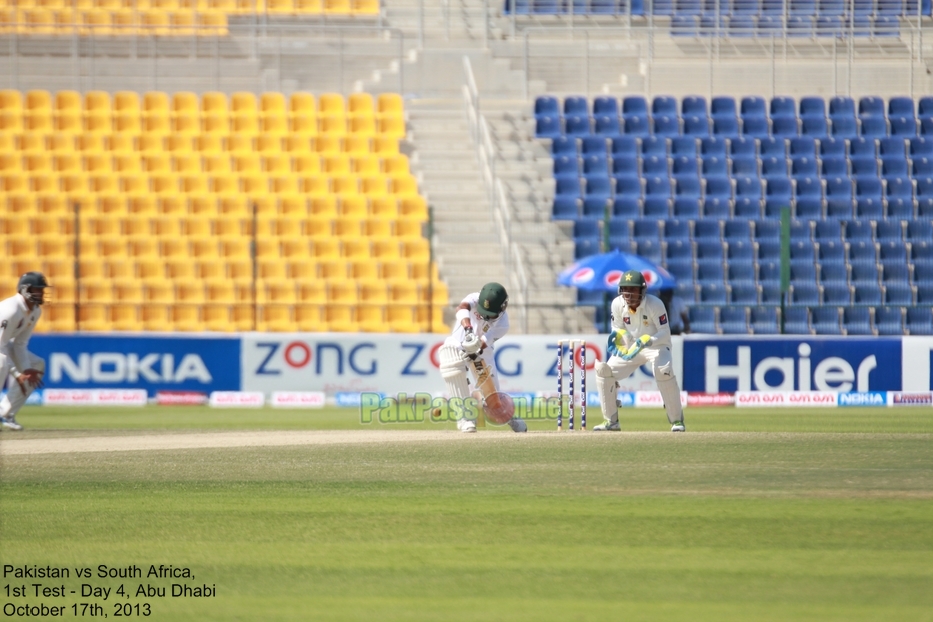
493	299
632	288
32	286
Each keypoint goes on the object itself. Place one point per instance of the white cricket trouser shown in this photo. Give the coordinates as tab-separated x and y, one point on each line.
616	369
453	367
15	396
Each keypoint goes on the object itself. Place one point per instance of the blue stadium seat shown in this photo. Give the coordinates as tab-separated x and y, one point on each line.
889	320
903	126
832	147
888	230
636	126
697	126
703	320
620	228
629	187
678	251
834	273
708	231
834	251
646	229
802	273
568	187
844	127
577	126
764	320
921	146
596	165
801	230
742	272
664	105
799	26
771	147
636	105
885	26
857	321
715	146
892	252
802	146
778	193
755	127
839	198
725	126
863	252
870	105
924	293
654	146
783	107
804	294
919	230
796	321
772	167
741	251
834	166
723	106
693	105
733	320
585	247
803	166
830	26
918	321
566	208
744	166
665	126
894	168
547	106
864	273
686	207
812	107
623	147
742	147
649	249
685	166
858	230
608	106
717	207
814	126
566	166
873	127
863	147
737	231
714	166
837	293
770	26
625	208
677	229
921	166
593	145
767	229
839	106
710	272
684	26
769	272
684	146
712	293
548	127
825	320
596	206
892	146
864	167
605	125
897	293
784	127
625	167
868	196
827	231
576	106
769	250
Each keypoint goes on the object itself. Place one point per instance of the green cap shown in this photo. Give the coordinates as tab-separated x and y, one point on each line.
493	299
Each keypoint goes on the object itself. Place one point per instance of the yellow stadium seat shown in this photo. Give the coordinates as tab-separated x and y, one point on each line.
357	144
95	292
349	227
243	103
195	183
11	100
332	126
190	292
394	270
214	103
157	123
220	291
216	318
374	293
97	102
214	163
285	184
378	228
18	206
97	163
409	228
179	269
309	7
154	23
174	248
268	144
60	318
127	123
364	7
242	316
128	291
417	249
413	207
301	269
166	226
356	206
165	5
396	165
95	23
293	205
142	203
127	163
247	163
91	269
136	225
374	186
240	143
103	183
306	164
277	292
212	23
273	103
180	143
275	318
360	104
337	7
93	317
68	101
328	144
309	317
215	125
323	205
62	143
186	163
36	21
340	318
303	126
11	121
224	184
186	318
155	317
390	104
314	184
385	248
345	184
254	184
196	226
355	248
361	126
112	205
298	145
200	205
143	248
331	104
186	124
210	271
370	318
385	145
39	121
125	21
392	127
278	163
164	183
365	164
302	104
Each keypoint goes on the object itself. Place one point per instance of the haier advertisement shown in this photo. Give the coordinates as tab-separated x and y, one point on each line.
154	363
793	364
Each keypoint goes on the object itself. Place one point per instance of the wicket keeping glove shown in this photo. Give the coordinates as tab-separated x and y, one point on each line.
640	343
616	341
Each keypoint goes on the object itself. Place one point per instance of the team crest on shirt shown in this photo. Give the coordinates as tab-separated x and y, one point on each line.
663	319
627	320
2	324
486	327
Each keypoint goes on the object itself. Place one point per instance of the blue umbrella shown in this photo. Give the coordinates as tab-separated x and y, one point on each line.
601	273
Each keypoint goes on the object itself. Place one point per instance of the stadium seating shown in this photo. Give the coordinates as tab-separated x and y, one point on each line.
746	18
160	17
158	195
707	206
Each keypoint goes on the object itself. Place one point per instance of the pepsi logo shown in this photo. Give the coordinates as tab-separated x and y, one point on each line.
651	277
583	275
613	277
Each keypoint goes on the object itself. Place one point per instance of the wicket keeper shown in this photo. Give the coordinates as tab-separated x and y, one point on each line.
641	333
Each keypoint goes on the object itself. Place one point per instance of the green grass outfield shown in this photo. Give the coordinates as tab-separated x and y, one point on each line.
751	515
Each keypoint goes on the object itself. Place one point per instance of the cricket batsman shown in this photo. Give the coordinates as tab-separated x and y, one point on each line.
641	333
481	320
18	317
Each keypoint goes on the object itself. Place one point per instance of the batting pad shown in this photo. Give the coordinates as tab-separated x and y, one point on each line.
608	390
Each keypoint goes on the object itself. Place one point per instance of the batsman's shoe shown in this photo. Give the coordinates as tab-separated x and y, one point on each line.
678	426
10	422
518	425
466	425
608	427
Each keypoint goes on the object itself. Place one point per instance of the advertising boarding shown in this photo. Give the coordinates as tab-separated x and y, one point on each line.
154	363
338	363
784	364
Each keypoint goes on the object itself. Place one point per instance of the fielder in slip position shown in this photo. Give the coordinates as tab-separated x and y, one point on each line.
481	321
18	317
641	334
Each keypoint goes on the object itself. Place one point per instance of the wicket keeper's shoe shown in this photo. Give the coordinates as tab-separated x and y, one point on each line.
466	425
678	426
10	422
608	427
518	425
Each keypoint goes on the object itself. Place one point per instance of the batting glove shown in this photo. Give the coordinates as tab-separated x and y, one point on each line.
616	342
471	344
